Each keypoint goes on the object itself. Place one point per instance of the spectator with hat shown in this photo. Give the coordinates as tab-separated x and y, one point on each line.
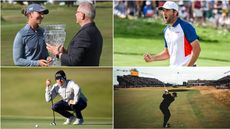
148	10
29	47
182	46
72	96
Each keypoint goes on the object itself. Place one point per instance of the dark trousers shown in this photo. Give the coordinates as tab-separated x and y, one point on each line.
63	108
166	113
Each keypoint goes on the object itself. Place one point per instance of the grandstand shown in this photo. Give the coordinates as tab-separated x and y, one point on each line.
223	83
199	82
128	81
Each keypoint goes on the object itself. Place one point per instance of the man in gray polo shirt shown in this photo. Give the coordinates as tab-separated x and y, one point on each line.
29	47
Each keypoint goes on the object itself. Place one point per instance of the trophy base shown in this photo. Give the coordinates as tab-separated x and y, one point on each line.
55	62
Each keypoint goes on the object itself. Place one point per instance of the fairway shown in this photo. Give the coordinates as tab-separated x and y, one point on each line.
139	108
13	21
29	123
142	36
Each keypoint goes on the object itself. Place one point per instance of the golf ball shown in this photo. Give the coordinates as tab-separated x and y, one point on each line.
36	126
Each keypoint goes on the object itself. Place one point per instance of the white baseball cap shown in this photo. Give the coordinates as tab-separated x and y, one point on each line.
169	5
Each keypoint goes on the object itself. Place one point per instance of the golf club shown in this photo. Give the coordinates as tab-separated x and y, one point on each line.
53	123
164	86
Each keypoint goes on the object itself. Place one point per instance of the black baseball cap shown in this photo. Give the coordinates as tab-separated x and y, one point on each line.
34	8
60	75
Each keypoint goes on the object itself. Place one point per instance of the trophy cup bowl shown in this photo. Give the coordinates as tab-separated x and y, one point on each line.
55	36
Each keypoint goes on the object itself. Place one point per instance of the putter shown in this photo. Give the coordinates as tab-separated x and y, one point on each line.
53	123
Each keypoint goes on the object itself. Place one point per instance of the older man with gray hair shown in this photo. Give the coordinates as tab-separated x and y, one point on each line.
86	46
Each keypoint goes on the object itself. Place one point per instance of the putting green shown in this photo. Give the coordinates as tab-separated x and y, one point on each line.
13	122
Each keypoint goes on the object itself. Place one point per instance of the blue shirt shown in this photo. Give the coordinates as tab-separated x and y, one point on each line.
29	47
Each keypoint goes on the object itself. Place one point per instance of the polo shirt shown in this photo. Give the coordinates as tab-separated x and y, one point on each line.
178	39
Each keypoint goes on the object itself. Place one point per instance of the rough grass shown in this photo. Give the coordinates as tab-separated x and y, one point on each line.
222	95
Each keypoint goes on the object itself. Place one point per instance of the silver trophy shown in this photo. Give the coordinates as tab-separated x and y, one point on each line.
55	36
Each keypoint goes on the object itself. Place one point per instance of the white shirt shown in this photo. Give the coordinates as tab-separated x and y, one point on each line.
178	39
69	91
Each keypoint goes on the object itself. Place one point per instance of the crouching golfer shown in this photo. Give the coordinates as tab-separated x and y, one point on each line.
168	99
72	98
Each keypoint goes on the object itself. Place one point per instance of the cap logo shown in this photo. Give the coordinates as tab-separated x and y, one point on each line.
31	8
58	75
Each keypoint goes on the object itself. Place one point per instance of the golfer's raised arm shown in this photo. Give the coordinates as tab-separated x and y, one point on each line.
50	93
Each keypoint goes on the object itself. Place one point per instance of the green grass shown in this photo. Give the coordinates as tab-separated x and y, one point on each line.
44	122
23	91
134	38
13	21
139	108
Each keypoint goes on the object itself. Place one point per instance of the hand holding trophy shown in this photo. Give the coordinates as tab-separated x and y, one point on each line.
55	38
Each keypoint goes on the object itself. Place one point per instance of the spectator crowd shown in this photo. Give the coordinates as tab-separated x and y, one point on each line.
128	81
200	12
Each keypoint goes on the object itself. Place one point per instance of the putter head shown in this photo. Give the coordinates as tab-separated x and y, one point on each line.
53	123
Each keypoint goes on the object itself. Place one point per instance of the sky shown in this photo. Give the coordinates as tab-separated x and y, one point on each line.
175	75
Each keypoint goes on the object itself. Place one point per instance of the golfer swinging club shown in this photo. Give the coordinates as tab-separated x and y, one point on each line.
72	98
168	99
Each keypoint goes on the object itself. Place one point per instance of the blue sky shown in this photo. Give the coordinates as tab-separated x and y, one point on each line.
175	75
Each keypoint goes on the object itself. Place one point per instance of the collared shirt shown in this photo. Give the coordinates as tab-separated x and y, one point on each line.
178	39
29	46
69	91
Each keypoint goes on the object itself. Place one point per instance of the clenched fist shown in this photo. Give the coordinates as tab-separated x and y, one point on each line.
48	83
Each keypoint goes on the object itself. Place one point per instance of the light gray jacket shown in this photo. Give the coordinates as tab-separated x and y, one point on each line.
29	47
69	91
